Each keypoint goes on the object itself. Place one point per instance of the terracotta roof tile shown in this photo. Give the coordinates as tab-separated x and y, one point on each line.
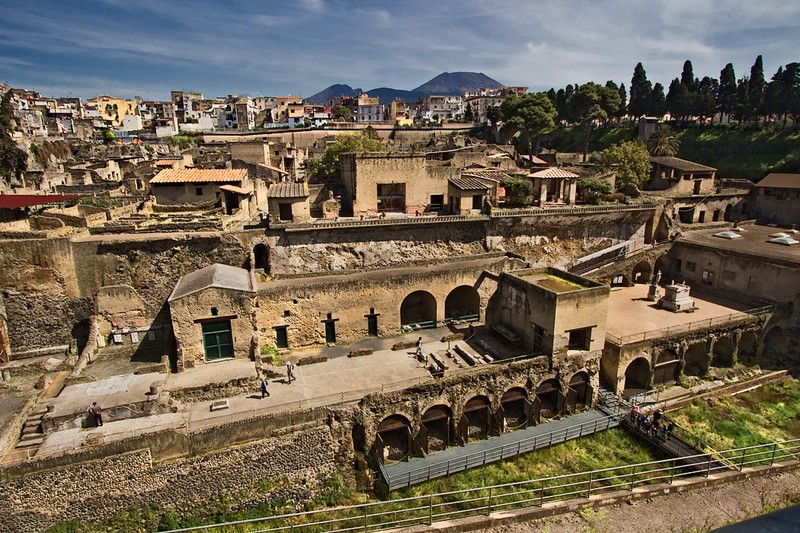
554	172
197	175
287	190
469	183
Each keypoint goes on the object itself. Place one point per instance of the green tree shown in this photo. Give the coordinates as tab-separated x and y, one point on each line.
328	165
658	102
629	159
623	106
13	159
726	96
532	114
469	116
743	111
585	106
591	188
493	115
756	86
641	90
663	142
519	191
706	99
678	100
610	99
108	135
340	112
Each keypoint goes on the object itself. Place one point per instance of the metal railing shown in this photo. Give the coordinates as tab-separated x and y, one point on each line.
680	328
501	452
541	211
430	508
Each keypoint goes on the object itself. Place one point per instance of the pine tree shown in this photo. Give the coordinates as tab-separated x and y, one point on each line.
658	102
676	98
641	90
726	96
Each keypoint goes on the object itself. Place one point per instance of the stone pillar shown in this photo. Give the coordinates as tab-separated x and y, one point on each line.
543	193
572	187
737	337
681	349
712	340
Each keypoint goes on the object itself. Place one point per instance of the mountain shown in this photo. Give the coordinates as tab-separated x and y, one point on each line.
456	82
446	83
334	91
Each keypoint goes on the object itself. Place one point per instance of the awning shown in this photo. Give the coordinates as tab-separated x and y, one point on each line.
235	189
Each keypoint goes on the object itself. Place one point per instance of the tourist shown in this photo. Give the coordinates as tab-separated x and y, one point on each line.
634	413
264	391
96	411
289	371
419	348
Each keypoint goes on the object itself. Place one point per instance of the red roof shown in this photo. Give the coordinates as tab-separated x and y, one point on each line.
554	172
10	201
197	175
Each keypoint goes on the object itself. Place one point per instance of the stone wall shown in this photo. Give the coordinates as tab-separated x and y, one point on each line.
273	469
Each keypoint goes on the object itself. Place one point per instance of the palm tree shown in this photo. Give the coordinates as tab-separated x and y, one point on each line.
663	143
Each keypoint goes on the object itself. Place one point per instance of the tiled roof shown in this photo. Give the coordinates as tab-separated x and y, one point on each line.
197	175
165	162
533	159
287	190
681	164
494	175
554	172
468	183
234	188
780	181
216	275
10	201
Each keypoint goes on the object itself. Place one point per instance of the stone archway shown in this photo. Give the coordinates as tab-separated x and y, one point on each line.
477	419
393	439
418	309
662	266
696	359
748	348
722	354
580	391
728	212
641	273
776	348
549	399
637	376
261	254
463	303
515	407
435	430
666	369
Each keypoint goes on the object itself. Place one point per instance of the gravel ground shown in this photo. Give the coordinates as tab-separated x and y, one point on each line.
695	511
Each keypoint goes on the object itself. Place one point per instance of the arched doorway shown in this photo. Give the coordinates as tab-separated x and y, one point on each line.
476	423
641	272
776	347
579	394
393	440
728	212
666	369
418	310
261	253
748	348
463	303
723	353
637	376
434	434
515	407
662	266
695	359
549	400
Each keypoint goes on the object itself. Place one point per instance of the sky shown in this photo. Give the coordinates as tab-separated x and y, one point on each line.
147	48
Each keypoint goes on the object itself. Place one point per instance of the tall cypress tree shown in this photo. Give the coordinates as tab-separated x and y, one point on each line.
726	96
641	90
658	102
623	95
687	77
676	97
756	86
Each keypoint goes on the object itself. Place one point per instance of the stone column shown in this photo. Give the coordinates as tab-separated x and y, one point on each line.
712	340
681	349
737	337
572	187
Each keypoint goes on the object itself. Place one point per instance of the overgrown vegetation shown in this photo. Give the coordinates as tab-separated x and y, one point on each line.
183	141
629	159
768	414
519	191
328	165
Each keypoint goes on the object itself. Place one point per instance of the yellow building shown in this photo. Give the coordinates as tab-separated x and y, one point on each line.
113	109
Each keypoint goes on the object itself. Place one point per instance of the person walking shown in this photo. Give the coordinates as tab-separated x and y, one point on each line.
290	371
96	412
419	348
264	391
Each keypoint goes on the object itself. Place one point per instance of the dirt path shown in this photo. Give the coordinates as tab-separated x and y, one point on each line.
699	510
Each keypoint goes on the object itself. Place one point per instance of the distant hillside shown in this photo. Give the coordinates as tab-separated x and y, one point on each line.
444	83
456	82
334	91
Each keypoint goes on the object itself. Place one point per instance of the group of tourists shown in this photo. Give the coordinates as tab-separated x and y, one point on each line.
289	378
656	425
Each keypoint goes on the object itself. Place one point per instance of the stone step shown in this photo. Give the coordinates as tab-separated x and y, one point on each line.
29	441
31	430
39	411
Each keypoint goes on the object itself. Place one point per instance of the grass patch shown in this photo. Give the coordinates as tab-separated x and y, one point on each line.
767	414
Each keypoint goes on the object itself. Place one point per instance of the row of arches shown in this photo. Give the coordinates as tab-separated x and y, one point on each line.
697	358
421	307
439	426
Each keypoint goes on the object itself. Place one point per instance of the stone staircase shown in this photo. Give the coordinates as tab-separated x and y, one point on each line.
32	434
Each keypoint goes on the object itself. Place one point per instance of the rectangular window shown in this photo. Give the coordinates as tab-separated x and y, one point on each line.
198	191
392	197
437	202
538	339
580	339
477	201
707	278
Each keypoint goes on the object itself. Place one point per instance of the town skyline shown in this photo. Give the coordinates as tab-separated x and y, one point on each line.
151	48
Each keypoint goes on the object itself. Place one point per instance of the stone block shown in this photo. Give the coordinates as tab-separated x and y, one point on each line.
360	353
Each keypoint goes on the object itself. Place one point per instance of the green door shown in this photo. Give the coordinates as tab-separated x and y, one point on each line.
281	338
330	331
217	340
372	325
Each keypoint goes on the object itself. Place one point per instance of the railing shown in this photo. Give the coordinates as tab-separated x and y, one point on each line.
430	508
423	219
681	328
540	211
503	451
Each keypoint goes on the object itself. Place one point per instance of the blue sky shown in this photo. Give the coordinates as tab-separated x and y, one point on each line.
269	47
